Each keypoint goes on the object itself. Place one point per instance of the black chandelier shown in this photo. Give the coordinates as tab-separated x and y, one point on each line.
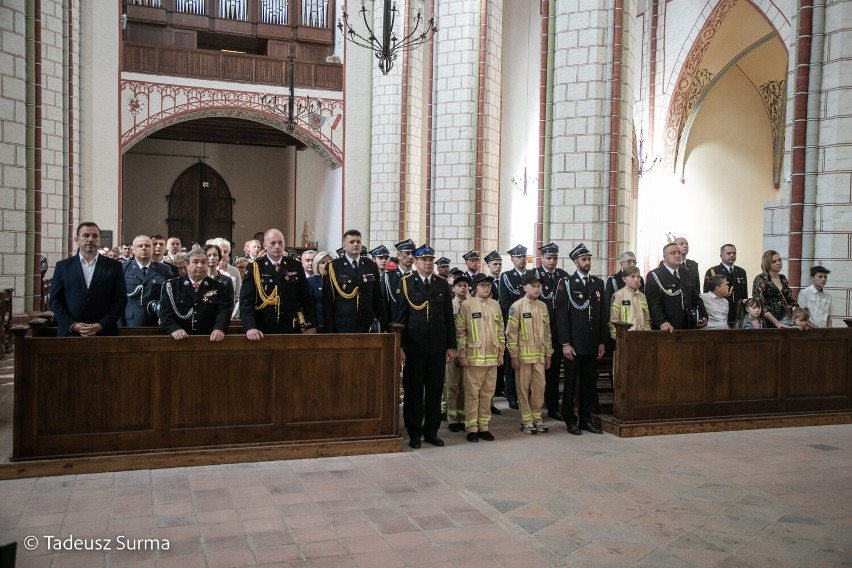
390	45
290	108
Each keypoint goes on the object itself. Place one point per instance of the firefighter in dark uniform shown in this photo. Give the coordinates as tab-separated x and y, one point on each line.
494	262
549	275
352	293
391	283
428	343
144	280
196	304
275	297
582	322
442	267
380	256
511	291
472	260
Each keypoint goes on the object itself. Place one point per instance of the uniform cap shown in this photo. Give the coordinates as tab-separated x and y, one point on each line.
470	255
549	248
519	250
579	250
407	244
479	278
492	256
340	252
380	250
443	261
424	251
461	277
530	276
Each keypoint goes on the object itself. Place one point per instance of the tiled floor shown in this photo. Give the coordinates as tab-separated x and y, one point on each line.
772	498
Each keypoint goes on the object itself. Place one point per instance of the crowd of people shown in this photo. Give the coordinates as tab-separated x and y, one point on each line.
467	336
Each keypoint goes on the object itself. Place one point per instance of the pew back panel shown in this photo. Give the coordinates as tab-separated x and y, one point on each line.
689	375
97	396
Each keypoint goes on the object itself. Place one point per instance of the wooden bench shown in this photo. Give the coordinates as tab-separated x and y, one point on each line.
150	401
708	380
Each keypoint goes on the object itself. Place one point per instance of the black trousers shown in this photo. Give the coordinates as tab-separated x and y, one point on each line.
509	378
551	381
582	372
423	373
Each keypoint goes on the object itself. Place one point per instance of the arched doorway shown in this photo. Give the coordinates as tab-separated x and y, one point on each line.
200	206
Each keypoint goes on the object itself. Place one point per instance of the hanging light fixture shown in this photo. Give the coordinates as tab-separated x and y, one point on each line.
642	158
389	46
290	108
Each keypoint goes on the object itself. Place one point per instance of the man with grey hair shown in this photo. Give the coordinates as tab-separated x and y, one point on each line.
195	304
616	282
307	259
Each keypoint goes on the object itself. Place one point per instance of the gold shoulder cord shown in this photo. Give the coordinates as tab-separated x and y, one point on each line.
356	293
272	299
414	306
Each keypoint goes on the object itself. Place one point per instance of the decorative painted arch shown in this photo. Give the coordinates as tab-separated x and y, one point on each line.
693	80
772	94
149	107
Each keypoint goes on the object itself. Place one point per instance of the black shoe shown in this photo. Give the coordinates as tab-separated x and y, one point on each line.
487	436
455	427
496	411
589	427
572	429
556	415
413	443
434	440
472	437
443	417
513	404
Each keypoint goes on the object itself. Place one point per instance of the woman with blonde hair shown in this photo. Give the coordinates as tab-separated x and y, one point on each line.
320	262
772	288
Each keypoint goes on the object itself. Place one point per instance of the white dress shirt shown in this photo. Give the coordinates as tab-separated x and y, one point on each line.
818	304
88	268
717	311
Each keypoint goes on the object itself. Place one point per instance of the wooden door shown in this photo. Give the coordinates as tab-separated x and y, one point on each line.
200	206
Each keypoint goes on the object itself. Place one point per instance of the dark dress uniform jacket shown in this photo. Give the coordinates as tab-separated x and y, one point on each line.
585	328
391	291
293	292
738	282
549	283
665	304
353	315
432	330
210	305
510	291
102	302
143	289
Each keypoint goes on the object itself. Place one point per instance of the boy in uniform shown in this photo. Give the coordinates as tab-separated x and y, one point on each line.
481	342
454	381
530	345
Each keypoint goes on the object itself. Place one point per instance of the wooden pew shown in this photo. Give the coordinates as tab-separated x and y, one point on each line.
711	380
150	401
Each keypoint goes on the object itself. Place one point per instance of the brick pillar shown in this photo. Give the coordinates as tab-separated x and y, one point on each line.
584	150
467	107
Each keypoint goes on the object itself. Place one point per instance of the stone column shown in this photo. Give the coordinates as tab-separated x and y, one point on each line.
467	109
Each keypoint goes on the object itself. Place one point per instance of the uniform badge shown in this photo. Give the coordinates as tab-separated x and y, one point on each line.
580	296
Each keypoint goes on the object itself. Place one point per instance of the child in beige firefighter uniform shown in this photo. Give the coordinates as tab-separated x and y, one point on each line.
530	346
480	339
454	381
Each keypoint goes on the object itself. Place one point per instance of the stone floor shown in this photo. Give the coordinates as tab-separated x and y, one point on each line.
773	498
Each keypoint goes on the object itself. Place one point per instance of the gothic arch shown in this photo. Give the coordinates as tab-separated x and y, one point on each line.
694	81
153	106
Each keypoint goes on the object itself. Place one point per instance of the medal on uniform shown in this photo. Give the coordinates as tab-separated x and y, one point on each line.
580	296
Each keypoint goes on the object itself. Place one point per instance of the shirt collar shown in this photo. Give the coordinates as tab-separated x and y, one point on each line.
91	262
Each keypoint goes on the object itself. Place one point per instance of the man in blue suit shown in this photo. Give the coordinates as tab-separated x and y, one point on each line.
87	291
